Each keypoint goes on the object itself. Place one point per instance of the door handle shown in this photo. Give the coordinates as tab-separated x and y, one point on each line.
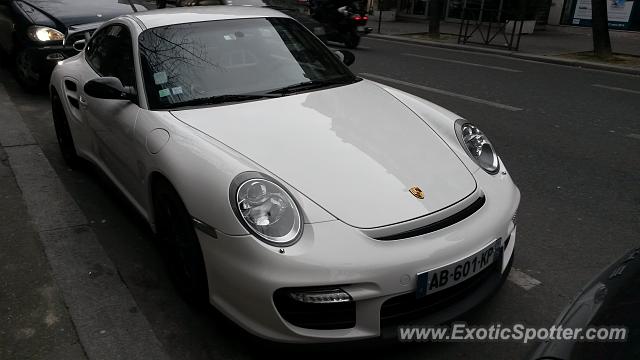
83	102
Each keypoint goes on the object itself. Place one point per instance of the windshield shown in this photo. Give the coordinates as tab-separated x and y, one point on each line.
234	60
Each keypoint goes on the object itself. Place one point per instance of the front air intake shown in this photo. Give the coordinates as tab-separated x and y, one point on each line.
316	308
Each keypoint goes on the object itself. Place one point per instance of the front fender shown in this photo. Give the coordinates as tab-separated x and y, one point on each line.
201	170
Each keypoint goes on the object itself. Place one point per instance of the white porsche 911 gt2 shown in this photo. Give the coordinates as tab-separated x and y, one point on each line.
305	203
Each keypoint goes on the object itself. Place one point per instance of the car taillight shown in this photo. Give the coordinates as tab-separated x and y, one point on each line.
357	17
365	18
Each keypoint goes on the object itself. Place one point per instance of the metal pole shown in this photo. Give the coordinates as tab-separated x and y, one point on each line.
133	6
519	35
379	15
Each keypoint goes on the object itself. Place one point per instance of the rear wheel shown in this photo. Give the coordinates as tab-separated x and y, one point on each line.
180	245
63	132
352	40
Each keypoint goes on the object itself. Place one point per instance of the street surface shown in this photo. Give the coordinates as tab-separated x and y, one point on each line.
569	137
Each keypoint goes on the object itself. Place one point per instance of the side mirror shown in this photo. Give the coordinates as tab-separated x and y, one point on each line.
345	56
79	45
109	88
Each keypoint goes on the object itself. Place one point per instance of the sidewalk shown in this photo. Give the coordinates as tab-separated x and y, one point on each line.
550	41
61	296
35	321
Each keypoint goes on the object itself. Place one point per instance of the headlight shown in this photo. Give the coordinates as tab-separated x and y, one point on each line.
43	33
266	209
478	146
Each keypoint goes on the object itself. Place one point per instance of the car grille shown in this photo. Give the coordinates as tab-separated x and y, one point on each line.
407	306
441	224
315	316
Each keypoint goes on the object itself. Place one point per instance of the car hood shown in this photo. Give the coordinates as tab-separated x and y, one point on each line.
355	150
73	12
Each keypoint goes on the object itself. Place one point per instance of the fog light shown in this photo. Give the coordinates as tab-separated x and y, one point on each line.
328	296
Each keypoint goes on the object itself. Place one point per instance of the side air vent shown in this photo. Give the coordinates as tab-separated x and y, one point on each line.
73	102
70	85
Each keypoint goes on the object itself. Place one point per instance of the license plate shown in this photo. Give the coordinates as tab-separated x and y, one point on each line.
435	280
360	28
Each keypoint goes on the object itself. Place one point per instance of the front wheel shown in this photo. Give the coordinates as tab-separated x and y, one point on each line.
25	70
352	40
180	245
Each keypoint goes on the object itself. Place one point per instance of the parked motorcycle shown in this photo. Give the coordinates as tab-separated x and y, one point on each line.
344	24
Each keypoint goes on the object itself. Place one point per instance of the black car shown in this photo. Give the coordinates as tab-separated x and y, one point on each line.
38	33
294	9
612	299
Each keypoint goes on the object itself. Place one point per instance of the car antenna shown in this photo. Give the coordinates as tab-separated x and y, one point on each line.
133	6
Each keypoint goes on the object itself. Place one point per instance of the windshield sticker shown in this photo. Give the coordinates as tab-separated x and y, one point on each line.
160	78
266	32
164	93
176	90
230	37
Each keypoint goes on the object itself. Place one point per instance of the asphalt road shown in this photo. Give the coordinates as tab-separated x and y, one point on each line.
569	137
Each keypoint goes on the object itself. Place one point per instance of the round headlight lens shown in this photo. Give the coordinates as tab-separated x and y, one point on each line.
478	146
268	211
43	33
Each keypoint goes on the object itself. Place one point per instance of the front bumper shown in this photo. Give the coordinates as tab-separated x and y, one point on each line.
44	58
244	273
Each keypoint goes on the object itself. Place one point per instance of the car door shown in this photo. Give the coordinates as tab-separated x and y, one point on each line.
112	122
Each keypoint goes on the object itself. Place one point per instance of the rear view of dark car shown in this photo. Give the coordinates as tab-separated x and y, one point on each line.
295	10
36	34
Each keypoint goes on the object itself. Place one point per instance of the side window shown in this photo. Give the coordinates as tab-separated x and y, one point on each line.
110	53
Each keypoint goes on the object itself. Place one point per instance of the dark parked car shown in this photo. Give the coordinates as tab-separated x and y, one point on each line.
612	299
292	8
38	33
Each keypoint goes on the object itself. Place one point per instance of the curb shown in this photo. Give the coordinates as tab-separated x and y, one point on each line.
515	54
103	311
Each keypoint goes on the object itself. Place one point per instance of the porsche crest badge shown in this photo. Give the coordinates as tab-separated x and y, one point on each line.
417	192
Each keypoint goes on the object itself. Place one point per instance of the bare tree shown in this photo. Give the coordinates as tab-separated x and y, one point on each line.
435	8
600	28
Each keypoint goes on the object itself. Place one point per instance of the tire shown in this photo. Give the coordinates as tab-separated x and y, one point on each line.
352	40
26	75
179	244
63	133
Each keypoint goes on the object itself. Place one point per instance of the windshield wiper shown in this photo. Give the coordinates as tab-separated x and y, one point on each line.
221	99
311	84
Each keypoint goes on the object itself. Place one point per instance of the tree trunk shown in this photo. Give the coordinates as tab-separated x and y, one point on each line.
600	28
434	18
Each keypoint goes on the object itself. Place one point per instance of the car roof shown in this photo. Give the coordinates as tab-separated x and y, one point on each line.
192	14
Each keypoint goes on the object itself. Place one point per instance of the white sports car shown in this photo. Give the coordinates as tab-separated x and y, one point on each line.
305	203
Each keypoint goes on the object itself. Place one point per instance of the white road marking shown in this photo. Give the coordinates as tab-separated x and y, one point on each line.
634	136
617	88
463	63
523	280
443	92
